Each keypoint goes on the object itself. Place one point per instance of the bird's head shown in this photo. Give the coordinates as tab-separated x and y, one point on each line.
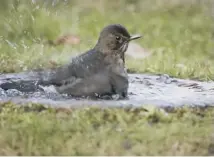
114	39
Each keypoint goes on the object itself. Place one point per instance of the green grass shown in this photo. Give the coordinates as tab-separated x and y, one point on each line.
92	131
178	32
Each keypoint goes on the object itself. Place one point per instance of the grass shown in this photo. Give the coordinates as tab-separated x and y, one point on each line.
178	32
91	131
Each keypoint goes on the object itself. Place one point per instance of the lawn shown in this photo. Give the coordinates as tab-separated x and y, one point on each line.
178	32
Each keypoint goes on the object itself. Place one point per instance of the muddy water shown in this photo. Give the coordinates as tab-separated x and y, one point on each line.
159	90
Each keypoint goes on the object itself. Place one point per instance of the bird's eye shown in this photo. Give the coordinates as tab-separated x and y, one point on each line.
117	38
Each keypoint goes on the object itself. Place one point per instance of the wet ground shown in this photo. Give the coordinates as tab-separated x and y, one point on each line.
159	90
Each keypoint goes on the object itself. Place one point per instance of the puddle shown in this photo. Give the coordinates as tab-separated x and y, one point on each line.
159	90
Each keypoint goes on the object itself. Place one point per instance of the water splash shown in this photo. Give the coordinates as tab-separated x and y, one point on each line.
159	90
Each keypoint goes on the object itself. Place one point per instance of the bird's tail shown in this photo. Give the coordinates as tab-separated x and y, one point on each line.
26	81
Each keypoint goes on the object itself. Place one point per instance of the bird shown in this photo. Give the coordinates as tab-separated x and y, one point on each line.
98	72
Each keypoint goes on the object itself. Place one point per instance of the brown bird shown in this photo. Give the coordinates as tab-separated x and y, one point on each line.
98	72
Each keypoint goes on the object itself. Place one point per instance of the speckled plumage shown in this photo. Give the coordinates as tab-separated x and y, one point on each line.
99	71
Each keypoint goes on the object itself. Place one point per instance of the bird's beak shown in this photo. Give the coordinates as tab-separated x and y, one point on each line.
135	37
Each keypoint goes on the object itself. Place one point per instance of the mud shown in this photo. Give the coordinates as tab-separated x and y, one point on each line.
159	90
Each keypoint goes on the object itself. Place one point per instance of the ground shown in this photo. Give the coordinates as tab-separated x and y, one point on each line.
180	35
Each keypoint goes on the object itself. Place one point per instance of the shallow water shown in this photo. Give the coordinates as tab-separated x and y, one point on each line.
159	90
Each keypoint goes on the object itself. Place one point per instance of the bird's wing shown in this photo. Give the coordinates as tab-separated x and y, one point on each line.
82	66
